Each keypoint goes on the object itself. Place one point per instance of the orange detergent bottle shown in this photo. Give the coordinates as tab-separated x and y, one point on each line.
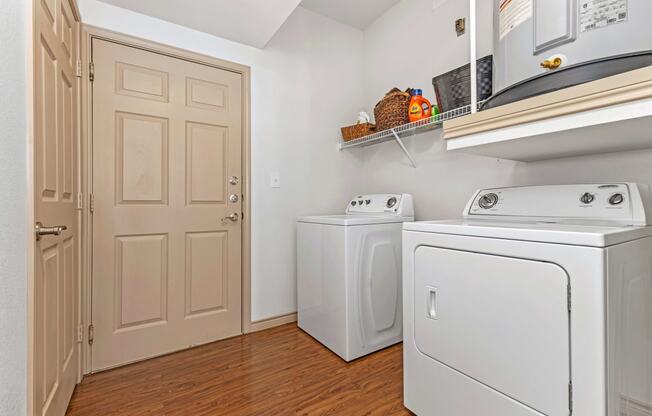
420	107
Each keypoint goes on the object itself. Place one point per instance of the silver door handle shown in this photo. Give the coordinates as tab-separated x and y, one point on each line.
233	217
40	230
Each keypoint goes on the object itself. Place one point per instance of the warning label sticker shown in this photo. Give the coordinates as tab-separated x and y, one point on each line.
596	14
513	13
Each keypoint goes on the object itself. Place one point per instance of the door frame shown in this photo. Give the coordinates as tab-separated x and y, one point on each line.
88	33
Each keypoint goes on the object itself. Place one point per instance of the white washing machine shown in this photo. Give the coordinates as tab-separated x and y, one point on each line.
349	275
538	302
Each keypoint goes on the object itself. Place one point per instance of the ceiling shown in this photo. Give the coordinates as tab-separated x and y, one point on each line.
356	13
252	22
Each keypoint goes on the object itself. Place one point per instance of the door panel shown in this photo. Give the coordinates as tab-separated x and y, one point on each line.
56	284
501	321
141	280
206	180
141	159
206	272
166	264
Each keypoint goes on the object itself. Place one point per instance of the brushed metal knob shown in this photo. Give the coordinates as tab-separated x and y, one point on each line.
41	230
234	217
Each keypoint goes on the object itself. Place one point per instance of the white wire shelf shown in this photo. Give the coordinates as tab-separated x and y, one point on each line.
408	129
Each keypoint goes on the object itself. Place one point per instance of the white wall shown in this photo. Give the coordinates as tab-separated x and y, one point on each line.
313	77
305	84
409	45
13	183
406	47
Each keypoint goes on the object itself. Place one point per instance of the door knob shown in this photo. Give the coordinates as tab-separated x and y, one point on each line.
40	230
234	198
234	180
232	217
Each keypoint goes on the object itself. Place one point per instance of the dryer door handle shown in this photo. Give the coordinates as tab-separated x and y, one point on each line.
431	301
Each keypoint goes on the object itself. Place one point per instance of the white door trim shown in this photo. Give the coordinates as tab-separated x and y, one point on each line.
88	34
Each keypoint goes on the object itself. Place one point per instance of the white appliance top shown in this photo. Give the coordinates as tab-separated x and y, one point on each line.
370	209
595	215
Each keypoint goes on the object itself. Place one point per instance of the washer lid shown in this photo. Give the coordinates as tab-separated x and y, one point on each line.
594	234
354	219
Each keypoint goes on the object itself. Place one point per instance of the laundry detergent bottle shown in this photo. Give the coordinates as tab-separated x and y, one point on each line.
420	107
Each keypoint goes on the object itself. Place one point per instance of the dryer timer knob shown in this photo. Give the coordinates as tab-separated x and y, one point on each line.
488	201
616	199
587	198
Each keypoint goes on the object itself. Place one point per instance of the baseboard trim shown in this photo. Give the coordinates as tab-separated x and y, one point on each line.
633	407
272	322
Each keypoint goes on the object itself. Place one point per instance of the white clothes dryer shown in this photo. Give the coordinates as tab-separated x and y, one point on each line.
538	302
349	274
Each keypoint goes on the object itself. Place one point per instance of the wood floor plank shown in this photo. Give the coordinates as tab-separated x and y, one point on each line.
280	371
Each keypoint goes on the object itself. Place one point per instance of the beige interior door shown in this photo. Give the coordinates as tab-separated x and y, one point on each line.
56	295
167	204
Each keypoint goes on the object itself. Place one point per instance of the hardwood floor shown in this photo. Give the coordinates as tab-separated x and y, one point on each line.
280	371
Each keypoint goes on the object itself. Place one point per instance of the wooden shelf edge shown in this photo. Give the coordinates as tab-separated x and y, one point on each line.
616	128
617	89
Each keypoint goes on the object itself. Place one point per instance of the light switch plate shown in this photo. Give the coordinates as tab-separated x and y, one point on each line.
275	180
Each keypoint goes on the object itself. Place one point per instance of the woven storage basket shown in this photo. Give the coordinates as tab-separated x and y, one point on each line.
357	130
453	89
392	110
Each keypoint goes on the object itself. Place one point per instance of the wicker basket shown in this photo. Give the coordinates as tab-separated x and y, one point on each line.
392	111
357	130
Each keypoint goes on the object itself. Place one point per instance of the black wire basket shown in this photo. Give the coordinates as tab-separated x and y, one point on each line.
453	89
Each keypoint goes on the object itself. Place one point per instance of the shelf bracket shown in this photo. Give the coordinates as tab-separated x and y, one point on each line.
400	143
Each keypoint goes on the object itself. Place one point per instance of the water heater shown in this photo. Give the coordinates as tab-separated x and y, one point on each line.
544	45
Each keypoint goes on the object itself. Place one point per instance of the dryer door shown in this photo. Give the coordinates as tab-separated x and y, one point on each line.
502	322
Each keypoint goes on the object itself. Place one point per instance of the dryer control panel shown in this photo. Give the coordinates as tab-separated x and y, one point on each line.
396	204
618	203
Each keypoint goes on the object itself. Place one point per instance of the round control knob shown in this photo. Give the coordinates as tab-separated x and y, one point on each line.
391	202
616	199
488	201
353	203
587	198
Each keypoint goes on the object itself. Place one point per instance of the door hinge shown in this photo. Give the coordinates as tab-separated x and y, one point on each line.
91	72
80	333
569	297
78	71
91	203
80	200
90	334
570	397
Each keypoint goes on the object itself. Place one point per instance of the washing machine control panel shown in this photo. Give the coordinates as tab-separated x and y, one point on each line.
396	204
622	203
